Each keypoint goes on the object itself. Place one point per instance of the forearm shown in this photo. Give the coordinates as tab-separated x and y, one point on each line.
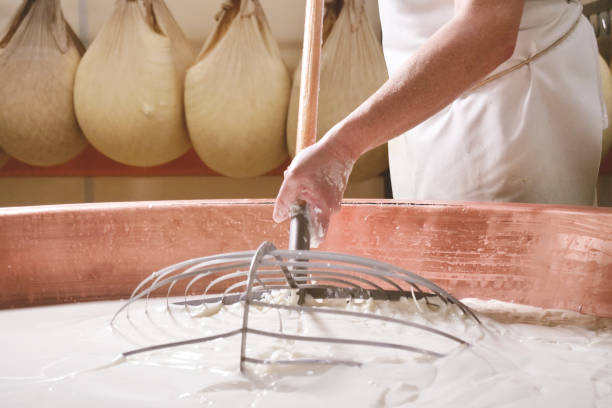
461	53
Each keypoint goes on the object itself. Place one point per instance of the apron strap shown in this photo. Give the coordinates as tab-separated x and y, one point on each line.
530	59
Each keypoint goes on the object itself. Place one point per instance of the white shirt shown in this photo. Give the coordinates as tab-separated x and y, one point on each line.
534	135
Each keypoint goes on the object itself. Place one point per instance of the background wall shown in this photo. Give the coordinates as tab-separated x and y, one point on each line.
605	180
196	17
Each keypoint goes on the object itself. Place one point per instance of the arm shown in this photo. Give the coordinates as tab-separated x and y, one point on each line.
480	37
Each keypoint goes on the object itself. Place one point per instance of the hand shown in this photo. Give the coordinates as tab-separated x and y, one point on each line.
317	175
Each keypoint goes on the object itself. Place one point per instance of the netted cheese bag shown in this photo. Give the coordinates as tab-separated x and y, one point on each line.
237	94
606	79
352	68
129	86
39	55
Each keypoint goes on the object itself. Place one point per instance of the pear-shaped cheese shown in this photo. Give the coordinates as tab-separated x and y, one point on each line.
129	86
161	18
237	94
352	68
39	55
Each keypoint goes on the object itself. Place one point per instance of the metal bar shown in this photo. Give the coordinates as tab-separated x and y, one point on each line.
315	310
354	342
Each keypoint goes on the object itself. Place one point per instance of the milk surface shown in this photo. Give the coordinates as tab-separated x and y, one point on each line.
66	356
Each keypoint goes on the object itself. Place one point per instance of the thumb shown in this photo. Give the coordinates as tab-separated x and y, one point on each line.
282	207
281	211
318	225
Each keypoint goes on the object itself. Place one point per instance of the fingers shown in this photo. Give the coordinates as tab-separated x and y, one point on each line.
288	193
318	178
318	225
284	200
320	205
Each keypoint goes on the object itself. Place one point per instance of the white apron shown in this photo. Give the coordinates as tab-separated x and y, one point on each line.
533	135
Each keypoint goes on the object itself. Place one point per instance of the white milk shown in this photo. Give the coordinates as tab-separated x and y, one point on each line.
62	356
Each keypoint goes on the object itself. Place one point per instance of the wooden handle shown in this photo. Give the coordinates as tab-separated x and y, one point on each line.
310	78
299	236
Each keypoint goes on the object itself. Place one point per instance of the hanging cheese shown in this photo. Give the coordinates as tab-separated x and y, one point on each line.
129	86
237	94
352	68
39	55
606	79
